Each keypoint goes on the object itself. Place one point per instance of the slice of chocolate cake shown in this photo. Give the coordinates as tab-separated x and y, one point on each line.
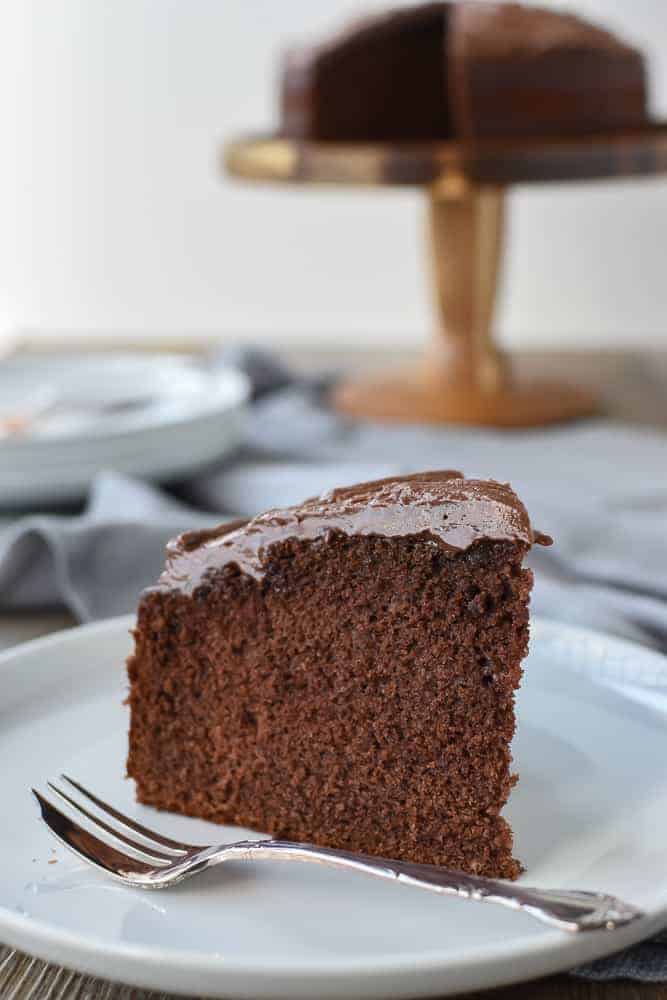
343	672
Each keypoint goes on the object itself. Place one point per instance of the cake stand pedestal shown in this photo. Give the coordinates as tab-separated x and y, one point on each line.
464	377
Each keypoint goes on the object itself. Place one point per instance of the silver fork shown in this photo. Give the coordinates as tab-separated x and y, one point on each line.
156	862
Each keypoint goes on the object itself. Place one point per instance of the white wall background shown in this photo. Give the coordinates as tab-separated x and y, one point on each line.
113	215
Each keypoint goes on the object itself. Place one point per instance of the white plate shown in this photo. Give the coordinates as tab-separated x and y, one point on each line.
191	418
590	811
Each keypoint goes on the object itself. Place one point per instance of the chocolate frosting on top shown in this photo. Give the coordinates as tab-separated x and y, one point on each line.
505	30
455	512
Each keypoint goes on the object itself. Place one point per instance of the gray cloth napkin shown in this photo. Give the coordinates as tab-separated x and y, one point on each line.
599	488
95	563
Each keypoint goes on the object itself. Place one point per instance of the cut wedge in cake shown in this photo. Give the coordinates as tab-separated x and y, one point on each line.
343	672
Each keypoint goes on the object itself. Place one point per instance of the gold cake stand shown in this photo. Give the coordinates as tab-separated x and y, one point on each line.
464	377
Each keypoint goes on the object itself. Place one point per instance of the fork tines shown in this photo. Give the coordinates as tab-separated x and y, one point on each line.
101	841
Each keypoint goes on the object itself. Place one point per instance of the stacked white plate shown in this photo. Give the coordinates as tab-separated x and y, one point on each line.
65	418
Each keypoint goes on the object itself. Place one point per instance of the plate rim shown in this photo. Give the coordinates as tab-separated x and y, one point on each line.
93	955
229	379
201	439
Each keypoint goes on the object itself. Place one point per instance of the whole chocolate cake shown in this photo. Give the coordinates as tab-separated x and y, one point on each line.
343	672
463	69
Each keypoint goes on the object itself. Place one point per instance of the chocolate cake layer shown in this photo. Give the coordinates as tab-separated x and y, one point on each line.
515	70
381	78
343	672
462	70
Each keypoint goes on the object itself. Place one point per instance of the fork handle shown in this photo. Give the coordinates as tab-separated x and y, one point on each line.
567	910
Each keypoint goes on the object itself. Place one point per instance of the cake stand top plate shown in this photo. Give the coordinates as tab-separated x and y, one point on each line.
451	164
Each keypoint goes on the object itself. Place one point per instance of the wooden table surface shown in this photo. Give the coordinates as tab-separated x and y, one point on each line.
633	387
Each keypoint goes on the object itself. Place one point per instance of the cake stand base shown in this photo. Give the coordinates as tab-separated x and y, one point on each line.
413	395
